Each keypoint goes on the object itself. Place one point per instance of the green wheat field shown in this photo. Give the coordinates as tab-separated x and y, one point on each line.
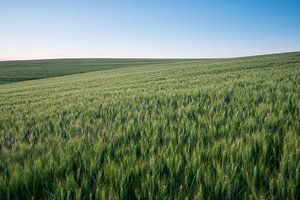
151	128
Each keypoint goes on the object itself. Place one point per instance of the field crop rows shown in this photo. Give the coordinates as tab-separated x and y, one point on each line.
186	129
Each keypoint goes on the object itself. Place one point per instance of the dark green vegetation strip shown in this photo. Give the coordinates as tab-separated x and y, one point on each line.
15	71
225	129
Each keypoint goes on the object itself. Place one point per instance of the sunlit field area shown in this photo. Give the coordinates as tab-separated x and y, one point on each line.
151	129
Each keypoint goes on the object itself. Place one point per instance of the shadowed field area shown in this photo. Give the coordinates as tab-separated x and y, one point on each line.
15	71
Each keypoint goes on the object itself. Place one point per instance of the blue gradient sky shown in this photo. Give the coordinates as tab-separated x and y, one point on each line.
86	28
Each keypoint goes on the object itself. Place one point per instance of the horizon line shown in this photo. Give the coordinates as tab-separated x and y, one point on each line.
150	58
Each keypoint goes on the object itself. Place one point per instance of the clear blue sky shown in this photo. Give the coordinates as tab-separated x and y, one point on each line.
166	28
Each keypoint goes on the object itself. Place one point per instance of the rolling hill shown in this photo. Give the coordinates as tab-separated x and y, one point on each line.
151	129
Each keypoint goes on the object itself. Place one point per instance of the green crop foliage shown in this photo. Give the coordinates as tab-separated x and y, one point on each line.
165	129
15	71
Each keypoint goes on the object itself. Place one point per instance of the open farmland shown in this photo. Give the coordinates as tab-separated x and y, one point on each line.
159	129
15	71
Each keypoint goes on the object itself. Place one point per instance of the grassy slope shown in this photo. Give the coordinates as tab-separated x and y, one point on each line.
15	71
211	129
